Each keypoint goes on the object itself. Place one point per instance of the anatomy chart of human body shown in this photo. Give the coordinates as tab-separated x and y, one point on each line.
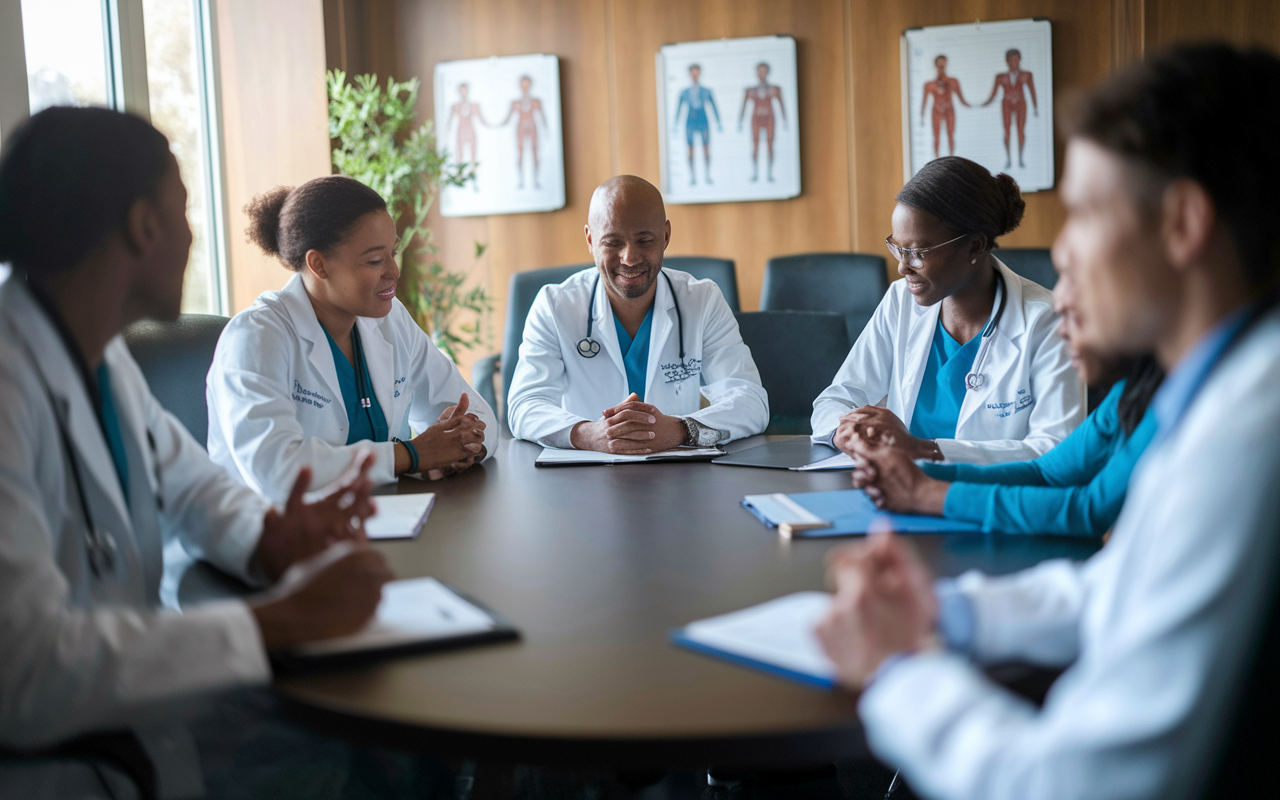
753	154
502	117
1011	128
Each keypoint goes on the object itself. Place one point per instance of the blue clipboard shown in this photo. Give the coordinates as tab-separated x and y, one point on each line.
678	637
850	513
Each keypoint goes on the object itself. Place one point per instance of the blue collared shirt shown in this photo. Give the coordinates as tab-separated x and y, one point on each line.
1174	397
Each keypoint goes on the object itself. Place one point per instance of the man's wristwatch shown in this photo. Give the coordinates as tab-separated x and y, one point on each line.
699	435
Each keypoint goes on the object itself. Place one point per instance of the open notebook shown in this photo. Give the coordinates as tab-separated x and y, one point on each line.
555	457
776	637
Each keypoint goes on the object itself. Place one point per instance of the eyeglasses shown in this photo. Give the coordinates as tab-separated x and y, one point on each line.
914	257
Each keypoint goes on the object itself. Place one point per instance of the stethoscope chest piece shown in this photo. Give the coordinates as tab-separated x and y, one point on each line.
588	347
102	551
975	380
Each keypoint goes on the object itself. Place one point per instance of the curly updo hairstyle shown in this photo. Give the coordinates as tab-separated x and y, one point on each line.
286	222
68	178
965	196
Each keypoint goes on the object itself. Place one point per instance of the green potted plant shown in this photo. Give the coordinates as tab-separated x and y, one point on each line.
377	143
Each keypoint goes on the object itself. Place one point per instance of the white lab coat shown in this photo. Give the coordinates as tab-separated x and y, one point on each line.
1157	625
1032	397
554	388
83	652
275	405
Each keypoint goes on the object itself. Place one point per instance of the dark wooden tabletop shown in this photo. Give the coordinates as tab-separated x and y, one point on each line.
595	566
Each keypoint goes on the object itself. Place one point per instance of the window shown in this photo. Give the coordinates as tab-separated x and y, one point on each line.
153	58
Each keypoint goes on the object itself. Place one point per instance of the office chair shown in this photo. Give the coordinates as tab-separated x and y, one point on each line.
851	284
798	353
175	358
1032	263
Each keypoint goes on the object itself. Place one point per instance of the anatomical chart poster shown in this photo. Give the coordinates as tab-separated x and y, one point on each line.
728	120
984	91
501	115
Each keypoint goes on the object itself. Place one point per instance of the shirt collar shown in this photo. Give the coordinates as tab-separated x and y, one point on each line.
1179	389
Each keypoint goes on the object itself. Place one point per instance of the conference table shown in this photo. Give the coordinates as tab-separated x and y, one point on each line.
595	565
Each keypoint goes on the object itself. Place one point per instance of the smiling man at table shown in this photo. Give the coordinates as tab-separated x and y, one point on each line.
619	358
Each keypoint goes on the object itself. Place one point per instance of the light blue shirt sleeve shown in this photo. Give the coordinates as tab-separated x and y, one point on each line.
1078	488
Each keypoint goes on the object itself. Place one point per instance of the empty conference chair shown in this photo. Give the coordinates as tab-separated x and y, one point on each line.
797	353
846	283
1032	263
524	288
175	359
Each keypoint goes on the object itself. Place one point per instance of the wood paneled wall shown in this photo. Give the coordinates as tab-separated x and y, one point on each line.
275	120
850	105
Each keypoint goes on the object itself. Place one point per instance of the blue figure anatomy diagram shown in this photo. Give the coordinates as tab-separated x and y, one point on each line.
697	97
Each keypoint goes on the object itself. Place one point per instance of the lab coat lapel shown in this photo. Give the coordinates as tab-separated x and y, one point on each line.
916	355
1003	350
659	331
378	357
607	335
307	325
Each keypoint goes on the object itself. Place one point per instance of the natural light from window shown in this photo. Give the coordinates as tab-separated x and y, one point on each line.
66	56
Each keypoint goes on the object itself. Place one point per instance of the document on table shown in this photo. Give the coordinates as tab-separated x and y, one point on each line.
840	513
777	637
838	461
420	613
400	516
555	457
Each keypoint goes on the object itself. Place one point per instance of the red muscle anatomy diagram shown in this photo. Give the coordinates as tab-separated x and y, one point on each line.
762	95
1014	105
465	112
940	89
526	109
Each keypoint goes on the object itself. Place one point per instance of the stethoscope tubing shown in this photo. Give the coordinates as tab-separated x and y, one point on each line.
589	348
976	379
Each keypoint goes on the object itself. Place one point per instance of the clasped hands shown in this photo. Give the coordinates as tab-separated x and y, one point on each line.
632	427
884	455
453	444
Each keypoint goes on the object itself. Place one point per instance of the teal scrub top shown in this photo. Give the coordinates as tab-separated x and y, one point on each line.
942	390
111	427
362	426
635	353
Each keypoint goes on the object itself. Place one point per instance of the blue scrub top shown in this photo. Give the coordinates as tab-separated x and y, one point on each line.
942	390
362	427
111	428
635	353
1076	489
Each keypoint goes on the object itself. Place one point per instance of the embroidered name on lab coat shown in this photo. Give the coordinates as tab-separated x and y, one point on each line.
308	397
680	371
1023	401
399	382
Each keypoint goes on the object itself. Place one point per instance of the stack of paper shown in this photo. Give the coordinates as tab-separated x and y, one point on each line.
400	516
840	514
777	637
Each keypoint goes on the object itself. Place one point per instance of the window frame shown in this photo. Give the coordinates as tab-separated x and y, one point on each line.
124	32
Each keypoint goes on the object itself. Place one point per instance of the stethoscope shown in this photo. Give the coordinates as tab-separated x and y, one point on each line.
975	379
590	348
363	390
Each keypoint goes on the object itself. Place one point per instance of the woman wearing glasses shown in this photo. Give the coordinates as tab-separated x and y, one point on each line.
961	361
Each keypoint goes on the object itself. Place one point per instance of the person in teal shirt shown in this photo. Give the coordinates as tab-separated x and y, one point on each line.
1076	489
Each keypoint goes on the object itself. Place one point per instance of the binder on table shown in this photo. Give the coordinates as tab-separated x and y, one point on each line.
776	637
795	454
556	457
415	616
843	513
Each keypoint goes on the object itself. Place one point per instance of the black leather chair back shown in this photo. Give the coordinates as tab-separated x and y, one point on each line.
798	354
175	358
1032	263
524	288
851	284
